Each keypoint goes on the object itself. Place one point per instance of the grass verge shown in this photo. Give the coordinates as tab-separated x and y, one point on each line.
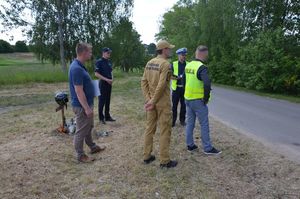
294	99
37	162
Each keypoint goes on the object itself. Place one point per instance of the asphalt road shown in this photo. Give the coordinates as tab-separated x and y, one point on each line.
276	123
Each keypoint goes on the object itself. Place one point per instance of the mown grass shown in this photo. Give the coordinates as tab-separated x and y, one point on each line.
14	98
37	162
26	99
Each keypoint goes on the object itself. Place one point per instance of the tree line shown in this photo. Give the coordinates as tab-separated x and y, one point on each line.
58	25
252	43
20	46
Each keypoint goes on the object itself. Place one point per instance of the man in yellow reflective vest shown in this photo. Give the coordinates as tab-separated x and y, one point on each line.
177	86
197	94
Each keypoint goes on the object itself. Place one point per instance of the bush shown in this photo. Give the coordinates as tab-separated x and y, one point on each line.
264	65
221	71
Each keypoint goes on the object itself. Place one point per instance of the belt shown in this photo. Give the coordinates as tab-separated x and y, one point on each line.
180	86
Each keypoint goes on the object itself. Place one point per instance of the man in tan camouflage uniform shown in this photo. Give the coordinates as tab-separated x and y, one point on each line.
156	90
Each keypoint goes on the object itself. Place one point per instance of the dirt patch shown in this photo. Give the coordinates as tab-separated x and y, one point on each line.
33	88
37	162
16	97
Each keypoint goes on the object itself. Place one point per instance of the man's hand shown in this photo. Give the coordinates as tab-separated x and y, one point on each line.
89	112
83	101
180	77
149	106
109	81
205	100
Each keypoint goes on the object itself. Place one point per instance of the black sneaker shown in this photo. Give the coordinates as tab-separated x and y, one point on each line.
213	151
192	148
171	164
102	121
182	123
149	160
110	119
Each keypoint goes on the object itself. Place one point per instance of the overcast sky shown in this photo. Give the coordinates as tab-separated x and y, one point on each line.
146	17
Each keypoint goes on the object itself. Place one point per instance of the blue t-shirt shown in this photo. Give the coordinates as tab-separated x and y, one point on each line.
78	76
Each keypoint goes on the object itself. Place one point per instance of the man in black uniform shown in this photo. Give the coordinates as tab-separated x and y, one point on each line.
104	72
177	86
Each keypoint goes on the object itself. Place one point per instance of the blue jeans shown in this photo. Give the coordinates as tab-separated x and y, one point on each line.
197	108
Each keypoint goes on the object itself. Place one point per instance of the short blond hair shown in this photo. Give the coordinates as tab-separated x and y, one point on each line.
82	47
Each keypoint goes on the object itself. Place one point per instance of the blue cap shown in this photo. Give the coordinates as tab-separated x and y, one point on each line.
181	51
106	49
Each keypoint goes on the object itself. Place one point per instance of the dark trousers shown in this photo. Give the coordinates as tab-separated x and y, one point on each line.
104	100
178	95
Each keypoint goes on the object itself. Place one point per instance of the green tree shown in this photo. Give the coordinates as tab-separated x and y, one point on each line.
259	16
151	49
59	25
212	23
181	27
128	51
21	46
264	65
251	43
5	47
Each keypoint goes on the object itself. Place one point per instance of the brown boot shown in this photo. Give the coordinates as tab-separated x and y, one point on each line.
86	159
97	149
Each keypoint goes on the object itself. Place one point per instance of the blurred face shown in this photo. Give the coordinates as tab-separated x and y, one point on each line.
203	55
106	55
87	54
167	52
182	57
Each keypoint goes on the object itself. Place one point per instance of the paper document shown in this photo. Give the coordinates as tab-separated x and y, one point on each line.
96	88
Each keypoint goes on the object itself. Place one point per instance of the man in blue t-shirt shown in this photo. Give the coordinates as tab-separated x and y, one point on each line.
82	99
103	71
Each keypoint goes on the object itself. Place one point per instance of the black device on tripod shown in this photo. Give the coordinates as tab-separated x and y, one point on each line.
61	99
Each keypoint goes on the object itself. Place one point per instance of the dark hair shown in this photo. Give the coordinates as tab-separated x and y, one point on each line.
159	52
82	47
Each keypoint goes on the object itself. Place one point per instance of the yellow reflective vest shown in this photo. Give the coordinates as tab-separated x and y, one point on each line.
175	72
194	88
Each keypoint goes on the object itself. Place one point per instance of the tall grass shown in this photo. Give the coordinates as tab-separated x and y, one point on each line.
19	70
24	68
39	73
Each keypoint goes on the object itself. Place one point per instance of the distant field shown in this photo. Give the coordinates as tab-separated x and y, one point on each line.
21	68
